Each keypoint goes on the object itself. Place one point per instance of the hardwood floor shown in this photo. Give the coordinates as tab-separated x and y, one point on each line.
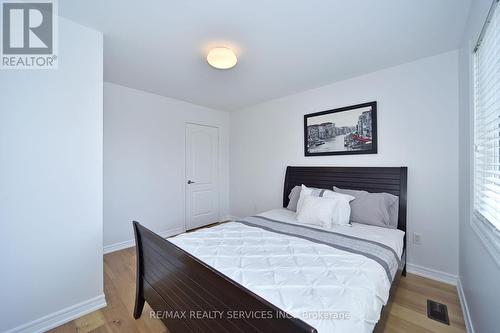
408	312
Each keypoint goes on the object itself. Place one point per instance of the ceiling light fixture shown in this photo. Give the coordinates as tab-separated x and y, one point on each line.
222	58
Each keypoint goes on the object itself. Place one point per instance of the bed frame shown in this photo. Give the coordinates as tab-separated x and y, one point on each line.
177	285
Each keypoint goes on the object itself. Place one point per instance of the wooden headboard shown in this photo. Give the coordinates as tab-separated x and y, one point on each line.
371	179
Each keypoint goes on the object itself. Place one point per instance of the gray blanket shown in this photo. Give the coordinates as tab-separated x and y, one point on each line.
382	254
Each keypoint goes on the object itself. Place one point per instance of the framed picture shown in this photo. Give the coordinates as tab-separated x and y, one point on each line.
344	131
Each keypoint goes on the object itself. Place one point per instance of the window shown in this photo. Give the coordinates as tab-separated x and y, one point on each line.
487	122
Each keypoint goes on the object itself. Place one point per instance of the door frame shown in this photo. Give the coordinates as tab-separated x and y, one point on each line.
219	145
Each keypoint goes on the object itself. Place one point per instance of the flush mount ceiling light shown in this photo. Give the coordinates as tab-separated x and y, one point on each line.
222	58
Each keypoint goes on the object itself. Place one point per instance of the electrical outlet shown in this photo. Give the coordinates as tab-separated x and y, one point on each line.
417	238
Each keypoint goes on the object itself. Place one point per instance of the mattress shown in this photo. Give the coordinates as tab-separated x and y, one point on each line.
330	289
394	238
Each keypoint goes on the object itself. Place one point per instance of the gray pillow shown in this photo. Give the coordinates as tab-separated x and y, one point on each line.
294	198
354	193
379	209
295	195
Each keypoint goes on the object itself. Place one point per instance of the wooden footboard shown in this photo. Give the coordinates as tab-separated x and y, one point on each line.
189	296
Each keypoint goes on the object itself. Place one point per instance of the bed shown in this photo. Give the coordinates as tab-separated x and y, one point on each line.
269	273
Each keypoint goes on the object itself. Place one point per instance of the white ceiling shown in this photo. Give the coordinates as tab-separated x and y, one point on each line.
283	46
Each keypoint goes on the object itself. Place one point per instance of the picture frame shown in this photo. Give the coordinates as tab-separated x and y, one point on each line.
349	130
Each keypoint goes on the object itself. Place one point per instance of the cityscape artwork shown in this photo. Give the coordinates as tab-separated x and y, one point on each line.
344	131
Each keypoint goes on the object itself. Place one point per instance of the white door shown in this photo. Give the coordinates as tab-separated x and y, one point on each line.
202	169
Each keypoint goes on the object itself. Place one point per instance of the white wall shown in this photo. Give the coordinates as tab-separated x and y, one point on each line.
417	127
51	186
144	161
479	273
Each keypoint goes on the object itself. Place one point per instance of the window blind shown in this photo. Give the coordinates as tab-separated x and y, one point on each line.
487	122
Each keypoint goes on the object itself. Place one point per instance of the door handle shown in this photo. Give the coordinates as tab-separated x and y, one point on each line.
190	182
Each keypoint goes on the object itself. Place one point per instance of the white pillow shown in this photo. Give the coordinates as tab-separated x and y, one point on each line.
332	194
305	191
324	211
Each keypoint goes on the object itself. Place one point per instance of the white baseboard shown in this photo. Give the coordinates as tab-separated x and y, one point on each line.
61	317
465	307
130	243
432	274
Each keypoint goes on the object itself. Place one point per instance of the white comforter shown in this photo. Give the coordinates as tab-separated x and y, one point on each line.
330	289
